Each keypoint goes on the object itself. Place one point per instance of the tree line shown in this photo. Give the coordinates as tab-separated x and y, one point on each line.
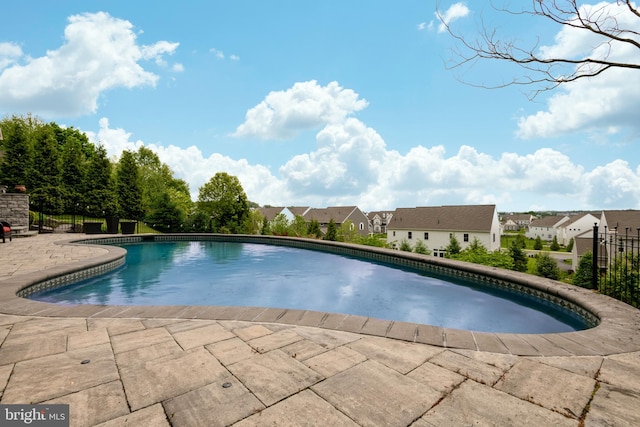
65	173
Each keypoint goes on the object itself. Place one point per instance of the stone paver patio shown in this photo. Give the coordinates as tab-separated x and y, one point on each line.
158	366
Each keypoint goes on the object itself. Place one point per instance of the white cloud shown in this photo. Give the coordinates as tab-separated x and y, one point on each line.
100	53
603	103
9	53
306	105
455	12
421	26
217	53
352	165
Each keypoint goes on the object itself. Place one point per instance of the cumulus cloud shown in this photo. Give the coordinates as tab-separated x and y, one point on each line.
352	164
9	54
100	52
608	101
305	106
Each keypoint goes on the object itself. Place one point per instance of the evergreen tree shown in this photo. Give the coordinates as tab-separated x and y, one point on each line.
518	256
129	189
45	173
100	198
583	275
547	266
332	231
18	152
538	244
165	215
454	246
554	244
313	229
73	173
570	245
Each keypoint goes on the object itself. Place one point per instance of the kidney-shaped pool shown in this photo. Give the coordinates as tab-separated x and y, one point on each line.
253	274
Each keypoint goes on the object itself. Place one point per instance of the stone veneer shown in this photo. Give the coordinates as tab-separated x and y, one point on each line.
14	208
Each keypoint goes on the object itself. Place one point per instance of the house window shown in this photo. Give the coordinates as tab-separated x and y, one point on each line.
409	234
466	237
426	235
361	226
494	237
352	227
394	234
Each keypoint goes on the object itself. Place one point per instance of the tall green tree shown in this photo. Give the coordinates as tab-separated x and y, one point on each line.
555	246
18	152
224	201
73	172
100	198
45	174
313	229
518	256
332	231
129	187
583	275
454	246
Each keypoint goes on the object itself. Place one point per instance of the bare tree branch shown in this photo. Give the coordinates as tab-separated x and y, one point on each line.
544	72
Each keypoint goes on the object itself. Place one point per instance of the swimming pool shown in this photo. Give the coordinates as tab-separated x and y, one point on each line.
255	274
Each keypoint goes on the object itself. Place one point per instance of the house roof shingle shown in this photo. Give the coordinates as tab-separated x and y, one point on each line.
464	217
339	214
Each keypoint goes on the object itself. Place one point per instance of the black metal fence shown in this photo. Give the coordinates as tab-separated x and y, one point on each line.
44	222
616	263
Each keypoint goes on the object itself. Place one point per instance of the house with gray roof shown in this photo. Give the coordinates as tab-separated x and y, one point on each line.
576	225
271	212
340	215
379	220
546	227
515	222
434	225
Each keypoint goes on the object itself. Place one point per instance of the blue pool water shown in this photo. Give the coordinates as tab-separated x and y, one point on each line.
244	274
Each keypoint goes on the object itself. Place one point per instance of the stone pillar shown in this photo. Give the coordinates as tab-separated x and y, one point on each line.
14	208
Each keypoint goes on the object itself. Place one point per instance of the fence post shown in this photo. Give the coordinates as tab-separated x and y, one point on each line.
594	263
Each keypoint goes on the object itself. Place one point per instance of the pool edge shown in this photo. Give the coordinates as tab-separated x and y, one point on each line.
618	331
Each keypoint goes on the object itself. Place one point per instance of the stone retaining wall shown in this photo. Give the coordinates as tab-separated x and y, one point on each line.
14	208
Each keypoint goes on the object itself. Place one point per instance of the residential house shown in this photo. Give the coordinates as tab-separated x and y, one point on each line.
576	225
435	225
620	230
516	222
270	213
299	210
546	227
379	220
340	215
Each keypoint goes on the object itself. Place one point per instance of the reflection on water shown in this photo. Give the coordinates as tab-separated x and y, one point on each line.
242	274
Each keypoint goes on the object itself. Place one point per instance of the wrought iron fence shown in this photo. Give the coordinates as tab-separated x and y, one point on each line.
45	221
616	263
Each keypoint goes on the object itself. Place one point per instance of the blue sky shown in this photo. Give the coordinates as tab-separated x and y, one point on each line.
326	103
